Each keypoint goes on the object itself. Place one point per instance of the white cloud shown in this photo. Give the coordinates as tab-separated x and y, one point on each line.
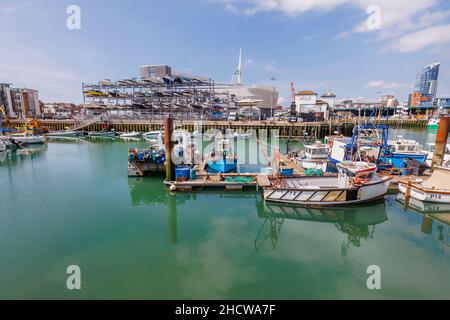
400	19
432	36
386	85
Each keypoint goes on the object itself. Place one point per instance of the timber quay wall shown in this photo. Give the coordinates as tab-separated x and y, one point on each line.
285	129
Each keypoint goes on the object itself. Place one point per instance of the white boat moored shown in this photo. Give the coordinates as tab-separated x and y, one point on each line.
131	135
436	189
28	138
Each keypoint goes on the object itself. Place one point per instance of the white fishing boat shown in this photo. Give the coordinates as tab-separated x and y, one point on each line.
28	138
131	135
436	189
154	136
356	183
432	149
103	134
315	157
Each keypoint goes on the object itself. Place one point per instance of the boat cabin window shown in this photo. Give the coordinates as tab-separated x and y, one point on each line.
316	151
367	176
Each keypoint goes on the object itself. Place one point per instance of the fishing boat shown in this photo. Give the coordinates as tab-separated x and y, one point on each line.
131	135
432	149
103	134
436	189
315	157
369	143
403	149
153	136
64	134
433	124
356	183
28	138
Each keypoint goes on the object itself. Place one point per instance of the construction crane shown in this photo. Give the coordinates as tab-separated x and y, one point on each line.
293	104
5	117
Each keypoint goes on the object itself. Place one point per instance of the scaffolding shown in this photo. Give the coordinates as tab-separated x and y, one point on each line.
179	95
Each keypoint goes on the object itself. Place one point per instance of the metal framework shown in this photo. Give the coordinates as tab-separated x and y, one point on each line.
155	96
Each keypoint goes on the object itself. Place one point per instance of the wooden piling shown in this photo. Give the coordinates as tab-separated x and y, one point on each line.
441	142
168	131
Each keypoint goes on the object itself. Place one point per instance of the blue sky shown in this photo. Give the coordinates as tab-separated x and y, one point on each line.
318	44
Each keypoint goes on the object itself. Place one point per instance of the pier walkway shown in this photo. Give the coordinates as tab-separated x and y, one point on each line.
284	128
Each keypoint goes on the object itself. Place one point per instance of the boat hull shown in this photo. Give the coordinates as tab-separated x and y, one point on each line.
425	195
102	135
29	140
328	197
221	167
131	136
314	164
398	159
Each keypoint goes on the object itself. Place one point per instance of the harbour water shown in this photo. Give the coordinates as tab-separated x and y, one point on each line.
71	203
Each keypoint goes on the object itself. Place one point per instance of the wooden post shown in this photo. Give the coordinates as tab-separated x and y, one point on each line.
172	219
427	225
441	142
168	130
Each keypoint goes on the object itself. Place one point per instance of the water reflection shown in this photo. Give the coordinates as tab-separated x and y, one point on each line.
435	219
358	223
14	156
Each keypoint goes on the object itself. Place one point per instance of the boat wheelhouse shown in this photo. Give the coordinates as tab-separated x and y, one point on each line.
356	183
403	149
368	143
315	157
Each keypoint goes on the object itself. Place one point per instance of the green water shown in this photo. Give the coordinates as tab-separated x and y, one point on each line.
72	204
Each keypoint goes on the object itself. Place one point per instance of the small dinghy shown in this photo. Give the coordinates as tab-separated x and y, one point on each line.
436	189
356	183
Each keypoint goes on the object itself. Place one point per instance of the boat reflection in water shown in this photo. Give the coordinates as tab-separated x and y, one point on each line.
434	214
18	155
357	223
